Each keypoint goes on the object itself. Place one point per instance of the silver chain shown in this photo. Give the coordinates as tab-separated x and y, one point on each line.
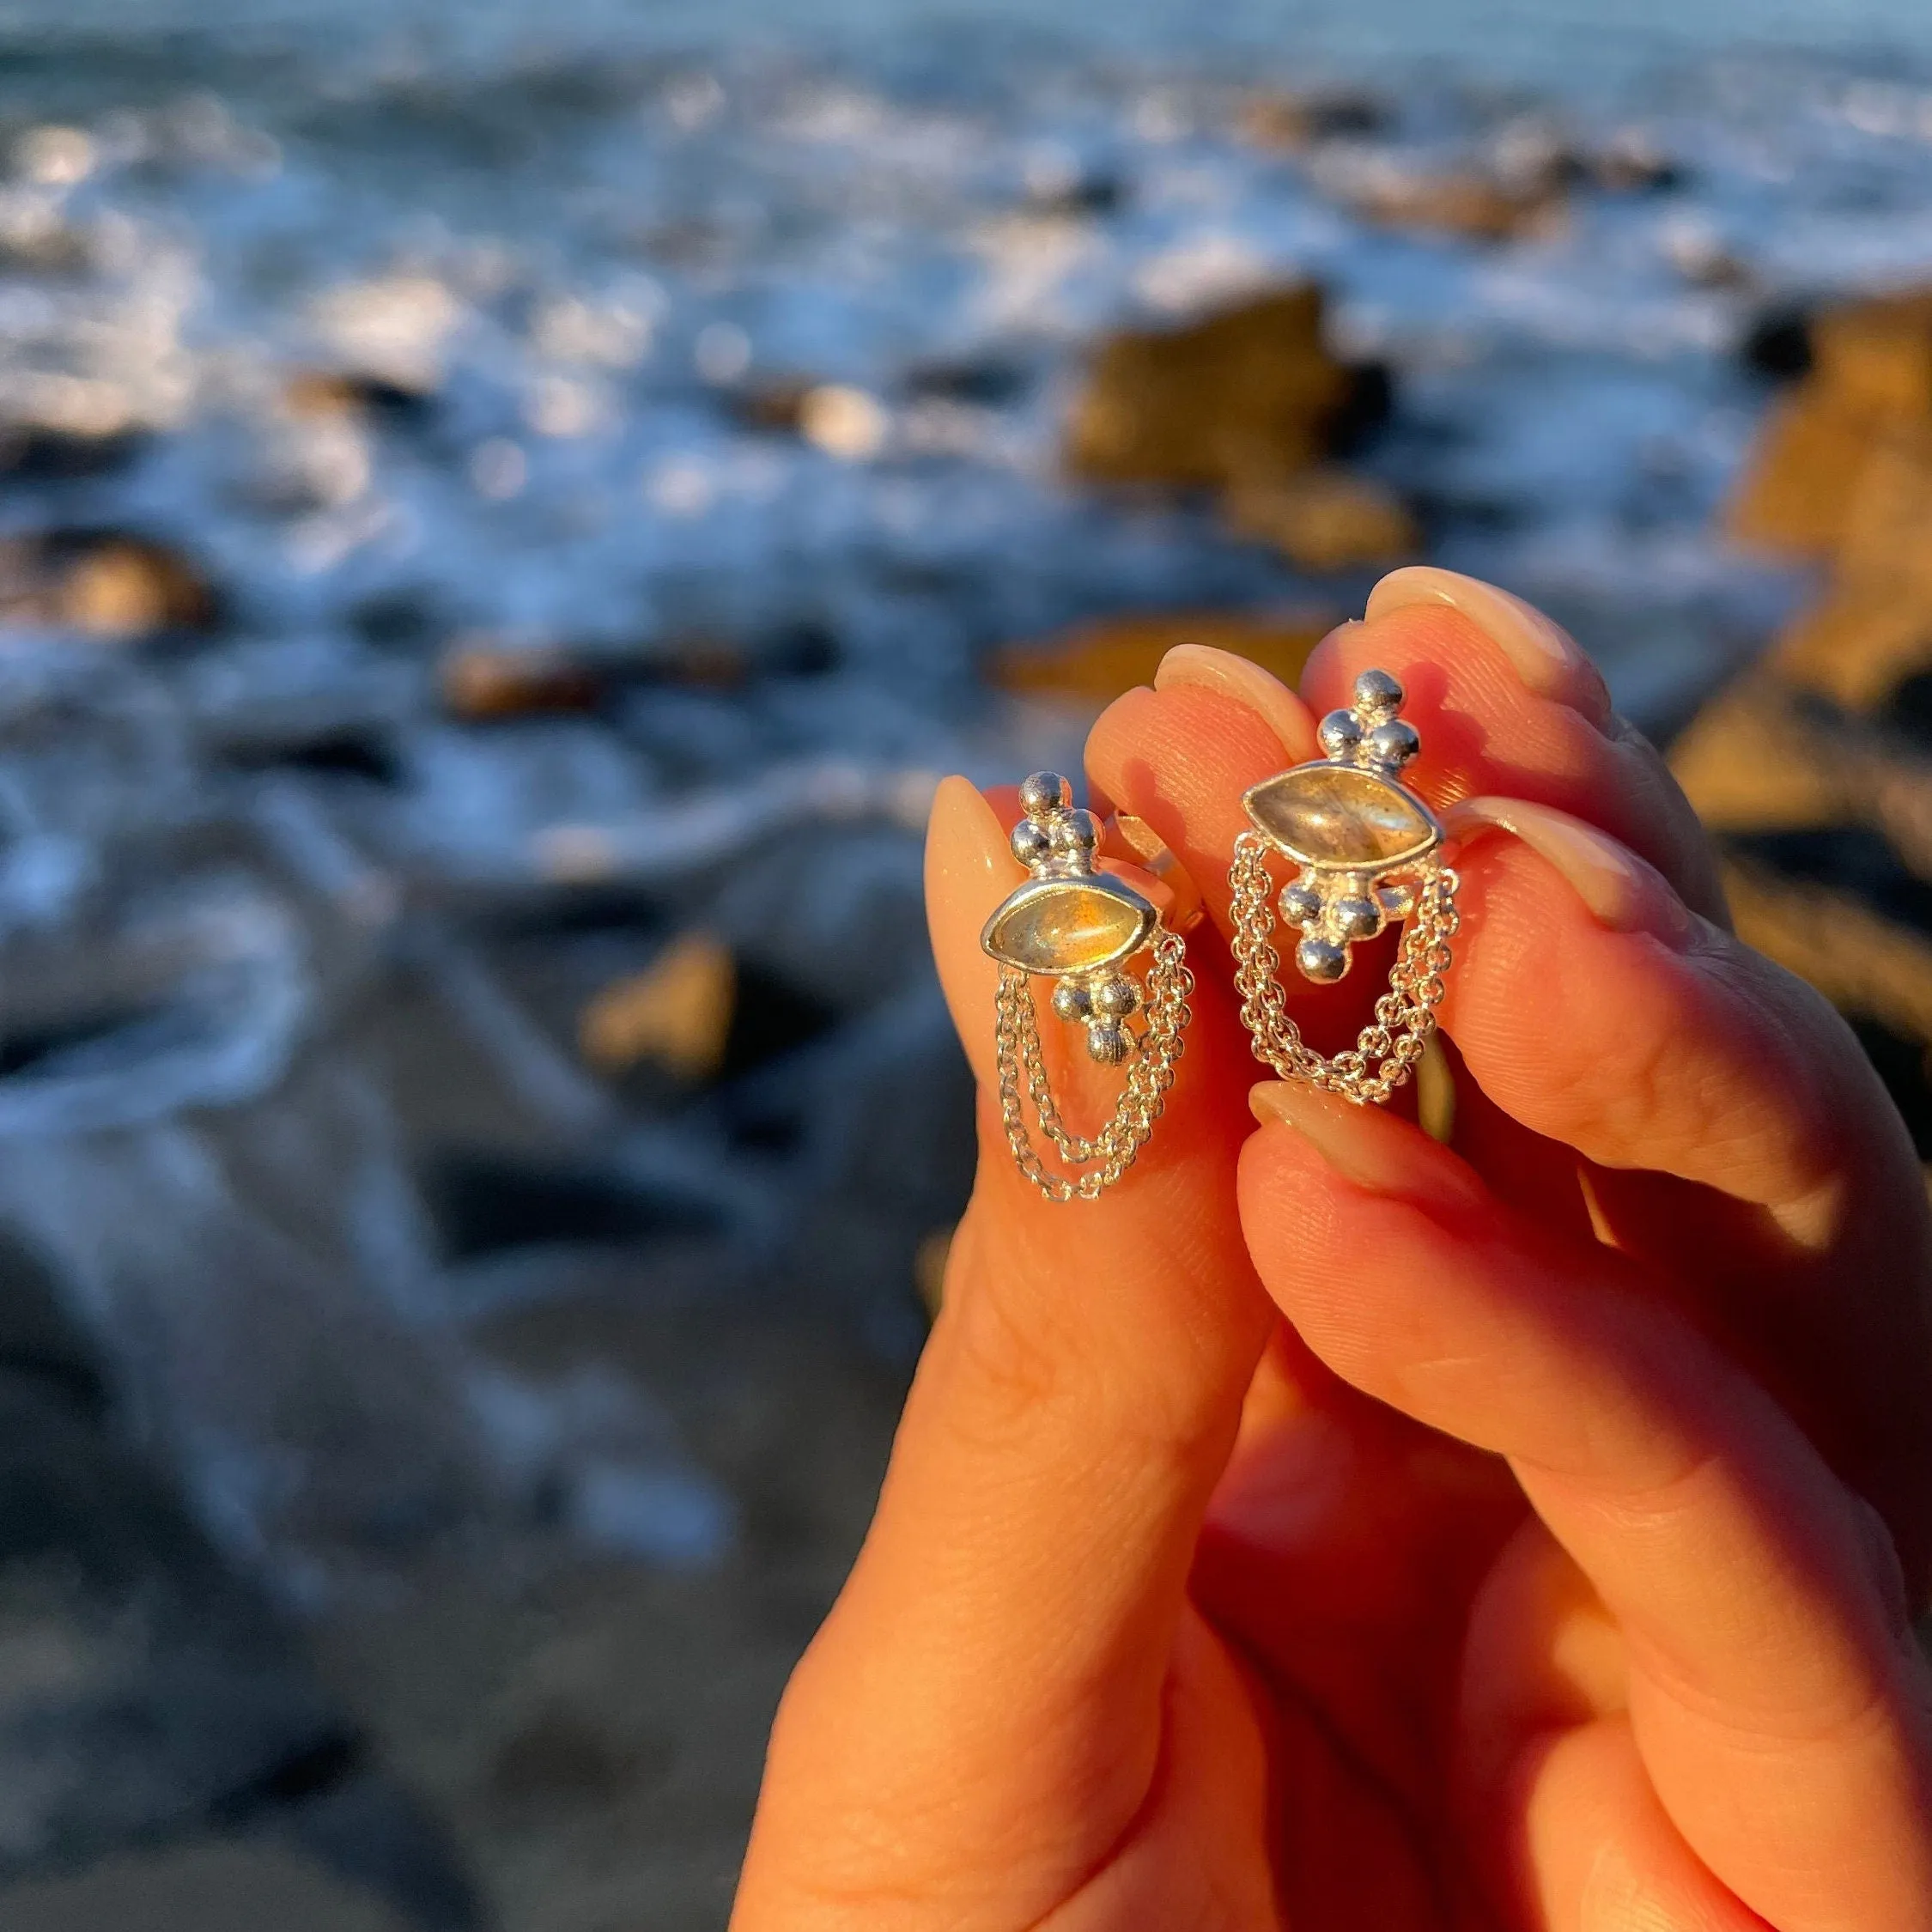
1023	1077
1387	1049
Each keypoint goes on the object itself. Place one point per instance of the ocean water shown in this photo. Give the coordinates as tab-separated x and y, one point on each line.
567	249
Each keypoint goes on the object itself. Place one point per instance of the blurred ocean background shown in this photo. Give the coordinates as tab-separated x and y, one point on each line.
505	510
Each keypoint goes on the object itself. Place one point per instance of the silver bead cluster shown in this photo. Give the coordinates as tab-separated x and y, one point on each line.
1055	840
1336	911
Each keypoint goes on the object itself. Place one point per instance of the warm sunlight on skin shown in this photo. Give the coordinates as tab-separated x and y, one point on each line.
1329	1529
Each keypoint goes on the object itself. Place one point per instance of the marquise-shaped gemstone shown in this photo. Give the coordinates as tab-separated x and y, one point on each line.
1068	924
1342	818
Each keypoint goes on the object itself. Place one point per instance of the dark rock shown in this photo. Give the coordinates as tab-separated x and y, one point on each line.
33	452
348	753
1087	198
483	1203
1470	204
363	1825
986	384
315	393
1631	164
166	1685
1251	394
482	680
103	583
562	1755
1777	345
1296	122
38	1336
152	1694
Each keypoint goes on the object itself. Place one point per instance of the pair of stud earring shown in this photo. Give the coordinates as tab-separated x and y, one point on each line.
1368	851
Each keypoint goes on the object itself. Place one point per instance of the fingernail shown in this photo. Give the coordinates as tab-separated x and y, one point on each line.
1247	682
1547	658
1621	891
1375	1151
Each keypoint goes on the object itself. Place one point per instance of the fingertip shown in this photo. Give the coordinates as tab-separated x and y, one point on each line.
969	868
1544	655
1206	668
1373	1152
1622	892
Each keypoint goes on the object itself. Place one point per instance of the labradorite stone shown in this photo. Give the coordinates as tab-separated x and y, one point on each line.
1340	817
1068	925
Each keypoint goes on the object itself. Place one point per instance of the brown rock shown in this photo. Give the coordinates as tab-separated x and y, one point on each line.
1796	495
1865	964
481	679
1327	519
1876	355
322	394
104	584
1248	394
1470	205
1843	469
1293	123
675	1015
1858	643
1889	515
1097	662
1750	762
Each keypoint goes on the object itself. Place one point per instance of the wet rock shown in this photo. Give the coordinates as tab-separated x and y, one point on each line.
323	394
1293	123
1467	204
349	752
148	1693
219	1887
1327	519
1843	467
774	406
677	1015
1252	393
41	453
482	680
562	1756
1793	498
102	583
986	383
1094	663
1877	354
1080	198
1631	163
1777	345
486	1203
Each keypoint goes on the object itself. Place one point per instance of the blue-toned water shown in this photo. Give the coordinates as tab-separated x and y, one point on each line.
561	254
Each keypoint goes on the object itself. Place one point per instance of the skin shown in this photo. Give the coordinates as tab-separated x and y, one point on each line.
1333	1529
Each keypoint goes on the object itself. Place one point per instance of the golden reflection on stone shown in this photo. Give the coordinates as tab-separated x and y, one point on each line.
1068	925
1341	818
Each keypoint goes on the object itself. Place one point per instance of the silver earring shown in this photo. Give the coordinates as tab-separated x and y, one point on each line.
1080	928
1368	852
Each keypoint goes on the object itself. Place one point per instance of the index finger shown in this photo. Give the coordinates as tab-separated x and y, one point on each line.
982	1714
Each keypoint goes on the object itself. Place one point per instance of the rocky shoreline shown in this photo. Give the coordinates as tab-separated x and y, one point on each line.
489	573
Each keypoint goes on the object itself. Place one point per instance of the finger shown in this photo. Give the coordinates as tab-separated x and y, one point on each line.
1544	1740
1778	1703
984	1707
1182	755
1506	701
1591	1008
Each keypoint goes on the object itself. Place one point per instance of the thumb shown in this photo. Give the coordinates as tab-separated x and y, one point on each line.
988	1688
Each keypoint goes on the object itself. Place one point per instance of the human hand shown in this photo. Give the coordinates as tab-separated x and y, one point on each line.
1328	1529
